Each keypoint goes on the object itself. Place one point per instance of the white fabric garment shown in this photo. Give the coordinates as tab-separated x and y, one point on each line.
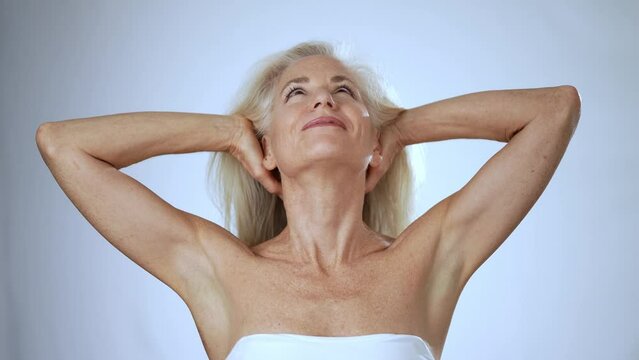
293	346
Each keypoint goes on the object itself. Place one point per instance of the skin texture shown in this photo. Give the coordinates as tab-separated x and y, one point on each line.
413	285
323	169
326	274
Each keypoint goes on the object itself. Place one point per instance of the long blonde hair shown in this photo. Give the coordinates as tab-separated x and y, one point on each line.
259	214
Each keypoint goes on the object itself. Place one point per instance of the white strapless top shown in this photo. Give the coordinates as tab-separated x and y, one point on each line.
285	346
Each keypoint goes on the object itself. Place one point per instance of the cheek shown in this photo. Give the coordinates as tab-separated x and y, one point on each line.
281	145
364	111
360	111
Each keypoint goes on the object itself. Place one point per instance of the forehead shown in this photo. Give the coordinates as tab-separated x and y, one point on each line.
314	66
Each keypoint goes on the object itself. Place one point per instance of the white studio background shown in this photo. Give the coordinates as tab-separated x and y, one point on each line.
563	286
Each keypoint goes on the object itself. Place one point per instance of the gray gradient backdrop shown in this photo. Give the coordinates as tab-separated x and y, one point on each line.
563	286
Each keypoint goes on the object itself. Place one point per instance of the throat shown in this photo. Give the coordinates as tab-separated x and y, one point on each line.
308	259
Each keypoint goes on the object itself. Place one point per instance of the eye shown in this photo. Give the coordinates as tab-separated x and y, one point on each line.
348	89
292	90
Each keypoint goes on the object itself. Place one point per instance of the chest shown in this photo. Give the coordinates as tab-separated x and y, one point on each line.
386	296
285	299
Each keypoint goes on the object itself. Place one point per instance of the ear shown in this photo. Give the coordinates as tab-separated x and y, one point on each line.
376	157
269	160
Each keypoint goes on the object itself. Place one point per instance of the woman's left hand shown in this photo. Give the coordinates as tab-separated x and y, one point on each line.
391	144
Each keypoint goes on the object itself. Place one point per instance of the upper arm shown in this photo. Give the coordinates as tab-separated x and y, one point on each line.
152	233
483	213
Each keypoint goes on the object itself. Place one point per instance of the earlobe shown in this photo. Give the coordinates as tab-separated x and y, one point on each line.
268	161
376	158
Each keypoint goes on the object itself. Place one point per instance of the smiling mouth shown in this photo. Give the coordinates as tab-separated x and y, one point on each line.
323	124
324	121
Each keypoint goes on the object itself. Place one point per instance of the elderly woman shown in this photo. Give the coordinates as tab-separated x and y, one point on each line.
313	162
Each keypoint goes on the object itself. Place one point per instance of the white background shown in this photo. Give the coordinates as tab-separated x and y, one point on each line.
563	286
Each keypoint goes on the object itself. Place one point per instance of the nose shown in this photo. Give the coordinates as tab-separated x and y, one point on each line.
324	97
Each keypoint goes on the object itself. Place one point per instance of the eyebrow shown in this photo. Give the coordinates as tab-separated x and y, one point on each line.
304	79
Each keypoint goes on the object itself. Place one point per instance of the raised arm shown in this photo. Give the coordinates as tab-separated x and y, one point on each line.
537	125
85	155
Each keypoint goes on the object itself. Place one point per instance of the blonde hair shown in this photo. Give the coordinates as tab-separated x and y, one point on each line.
259	214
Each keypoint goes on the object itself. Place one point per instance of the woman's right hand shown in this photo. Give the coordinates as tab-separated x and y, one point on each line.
247	149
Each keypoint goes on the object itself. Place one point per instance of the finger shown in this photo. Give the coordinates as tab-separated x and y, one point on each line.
370	184
372	177
273	186
388	152
266	178
389	148
257	171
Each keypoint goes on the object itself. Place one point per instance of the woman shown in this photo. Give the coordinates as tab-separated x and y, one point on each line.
313	162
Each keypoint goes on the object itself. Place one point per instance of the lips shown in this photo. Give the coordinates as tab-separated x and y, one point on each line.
323	120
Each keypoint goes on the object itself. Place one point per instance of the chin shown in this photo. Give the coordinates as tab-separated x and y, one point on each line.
325	151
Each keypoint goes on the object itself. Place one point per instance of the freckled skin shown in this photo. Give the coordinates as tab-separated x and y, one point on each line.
397	287
387	284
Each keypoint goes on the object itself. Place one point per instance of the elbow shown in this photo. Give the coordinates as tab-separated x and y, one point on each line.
44	139
572	101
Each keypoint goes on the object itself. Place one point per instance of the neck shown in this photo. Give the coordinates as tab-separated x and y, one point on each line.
324	215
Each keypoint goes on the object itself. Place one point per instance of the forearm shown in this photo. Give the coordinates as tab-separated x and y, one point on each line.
127	138
493	115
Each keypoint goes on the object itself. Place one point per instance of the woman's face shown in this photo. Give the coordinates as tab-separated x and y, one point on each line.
322	87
